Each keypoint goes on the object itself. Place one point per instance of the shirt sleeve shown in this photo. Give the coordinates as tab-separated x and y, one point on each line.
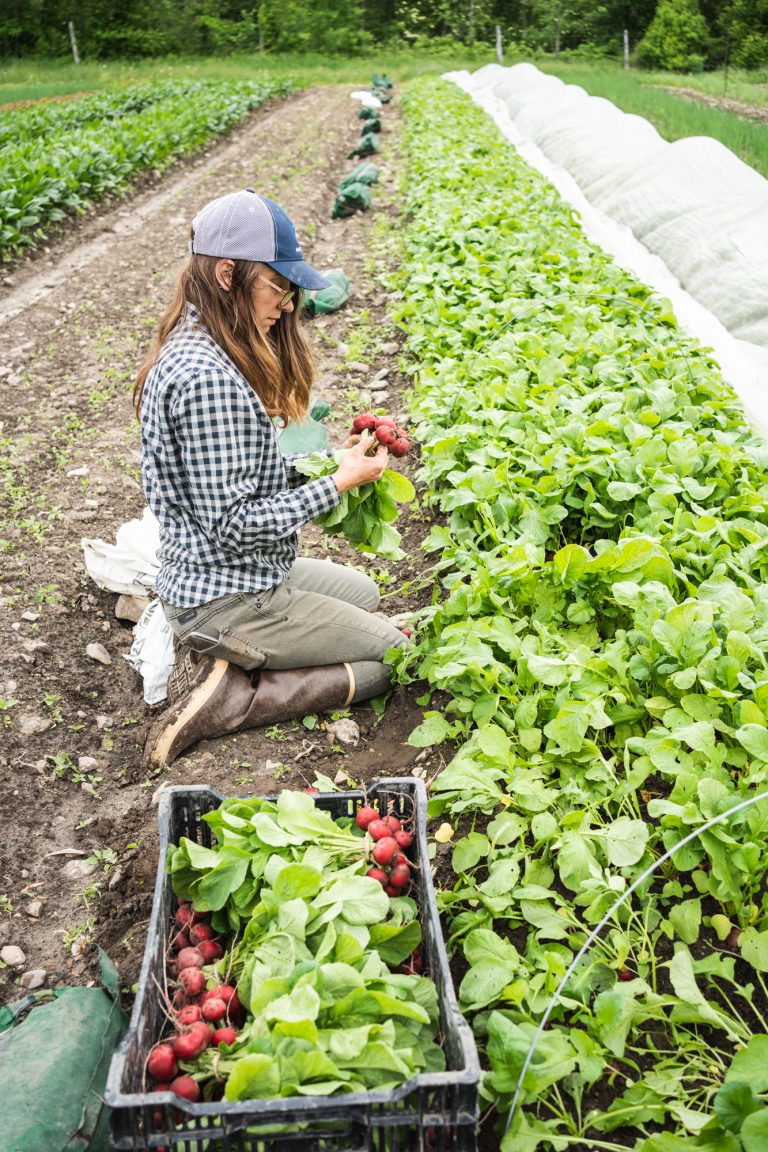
237	482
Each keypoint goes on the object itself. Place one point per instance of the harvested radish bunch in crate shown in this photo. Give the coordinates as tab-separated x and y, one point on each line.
301	958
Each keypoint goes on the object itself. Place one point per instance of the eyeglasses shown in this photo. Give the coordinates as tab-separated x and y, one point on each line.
285	297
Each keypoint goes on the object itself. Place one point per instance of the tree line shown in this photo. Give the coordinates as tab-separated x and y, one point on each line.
684	35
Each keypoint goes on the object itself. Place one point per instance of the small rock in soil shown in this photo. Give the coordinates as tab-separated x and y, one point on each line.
130	607
30	617
99	653
84	471
78	869
357	366
32	723
380	375
105	722
87	763
34	978
35	909
390	348
12	956
344	732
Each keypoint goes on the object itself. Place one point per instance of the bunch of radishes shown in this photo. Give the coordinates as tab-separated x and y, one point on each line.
202	1016
386	431
391	841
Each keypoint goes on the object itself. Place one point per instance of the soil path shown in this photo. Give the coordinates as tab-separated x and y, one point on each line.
724	103
79	859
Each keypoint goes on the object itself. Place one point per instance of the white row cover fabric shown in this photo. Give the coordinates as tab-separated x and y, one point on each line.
692	202
744	363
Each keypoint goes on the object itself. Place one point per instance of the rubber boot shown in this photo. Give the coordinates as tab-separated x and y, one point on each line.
211	697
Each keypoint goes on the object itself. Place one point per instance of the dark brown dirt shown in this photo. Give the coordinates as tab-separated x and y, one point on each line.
76	321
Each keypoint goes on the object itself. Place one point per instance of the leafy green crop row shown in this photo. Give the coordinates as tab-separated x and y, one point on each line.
601	625
95	145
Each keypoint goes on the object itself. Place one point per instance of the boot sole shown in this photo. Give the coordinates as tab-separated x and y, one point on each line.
161	750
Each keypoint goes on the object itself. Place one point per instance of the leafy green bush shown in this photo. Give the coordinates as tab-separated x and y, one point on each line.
678	38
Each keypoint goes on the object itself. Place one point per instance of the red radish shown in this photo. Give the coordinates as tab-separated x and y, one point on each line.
399	447
400	875
379	829
732	939
192	980
223	1036
200	932
181	900
385	852
180	940
624	974
385	422
365	816
186	916
364	423
180	999
189	958
186	1087
390	891
189	1045
404	839
210	950
385	435
161	1062
161	1086
213	1010
310	790
188	1015
392	823
377	874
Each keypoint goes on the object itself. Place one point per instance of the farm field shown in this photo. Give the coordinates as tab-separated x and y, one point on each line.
76	321
588	679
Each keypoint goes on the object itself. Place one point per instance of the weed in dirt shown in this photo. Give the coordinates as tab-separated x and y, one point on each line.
5	709
47	594
52	703
6	904
362	341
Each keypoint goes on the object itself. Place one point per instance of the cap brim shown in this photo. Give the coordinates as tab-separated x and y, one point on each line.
299	272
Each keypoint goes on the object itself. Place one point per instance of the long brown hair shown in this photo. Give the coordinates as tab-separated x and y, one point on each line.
278	366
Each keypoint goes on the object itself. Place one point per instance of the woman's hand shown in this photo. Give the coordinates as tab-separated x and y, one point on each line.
351	440
356	468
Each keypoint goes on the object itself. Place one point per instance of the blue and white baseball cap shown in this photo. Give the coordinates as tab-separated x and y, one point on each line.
247	226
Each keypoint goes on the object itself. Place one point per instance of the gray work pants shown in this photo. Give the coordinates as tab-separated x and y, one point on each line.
320	614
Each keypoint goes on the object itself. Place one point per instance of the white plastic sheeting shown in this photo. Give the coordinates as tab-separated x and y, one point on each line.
692	202
599	155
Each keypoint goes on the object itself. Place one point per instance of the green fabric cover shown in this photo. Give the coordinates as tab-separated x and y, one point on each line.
328	299
367	146
365	172
308	435
53	1067
350	199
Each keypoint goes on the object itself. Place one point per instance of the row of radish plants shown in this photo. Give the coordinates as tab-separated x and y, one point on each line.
598	649
96	144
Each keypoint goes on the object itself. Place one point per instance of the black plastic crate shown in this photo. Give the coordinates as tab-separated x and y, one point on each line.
435	1112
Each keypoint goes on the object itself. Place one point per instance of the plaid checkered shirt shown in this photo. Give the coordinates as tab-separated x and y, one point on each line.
228	502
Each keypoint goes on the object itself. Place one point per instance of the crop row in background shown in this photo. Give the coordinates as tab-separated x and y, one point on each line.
602	630
97	144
